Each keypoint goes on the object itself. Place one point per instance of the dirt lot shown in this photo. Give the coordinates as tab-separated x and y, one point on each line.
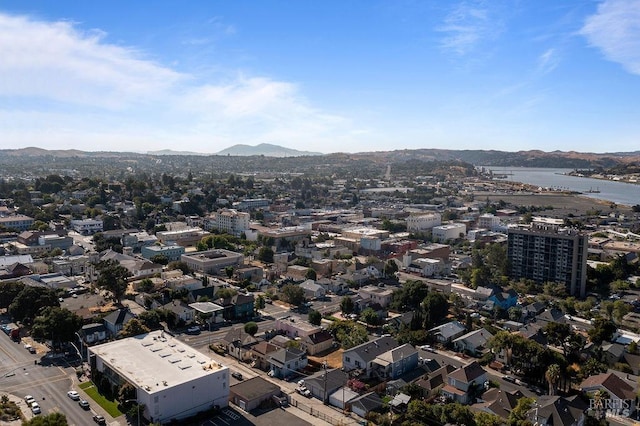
333	359
563	204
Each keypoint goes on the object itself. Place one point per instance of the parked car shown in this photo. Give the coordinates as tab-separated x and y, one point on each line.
509	379
427	348
193	330
84	404
99	419
302	390
35	408
29	400
73	395
236	375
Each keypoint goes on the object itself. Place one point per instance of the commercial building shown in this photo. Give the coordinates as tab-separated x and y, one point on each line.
423	222
452	231
212	261
546	251
172	252
172	380
19	222
87	226
228	220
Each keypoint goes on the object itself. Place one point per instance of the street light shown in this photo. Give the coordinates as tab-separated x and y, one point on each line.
137	408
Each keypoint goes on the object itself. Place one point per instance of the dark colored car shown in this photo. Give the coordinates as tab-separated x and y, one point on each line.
236	375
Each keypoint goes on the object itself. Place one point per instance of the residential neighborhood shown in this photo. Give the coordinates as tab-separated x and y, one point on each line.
186	297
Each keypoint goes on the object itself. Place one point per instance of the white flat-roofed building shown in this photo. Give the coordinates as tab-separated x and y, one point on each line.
423	222
172	380
18	221
87	226
452	231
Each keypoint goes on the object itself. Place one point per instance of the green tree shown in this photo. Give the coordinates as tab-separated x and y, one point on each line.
179	265
30	301
518	415
134	327
602	330
346	305
57	324
436	307
160	259
113	277
311	274
390	268
229	271
251	328
8	292
225	293
370	316
482	418
53	419
552	375
146	285
315	317
265	254
260	302
293	294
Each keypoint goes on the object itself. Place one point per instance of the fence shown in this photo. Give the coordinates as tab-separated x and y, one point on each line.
315	412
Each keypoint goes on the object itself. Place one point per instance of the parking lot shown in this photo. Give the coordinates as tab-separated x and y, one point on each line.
230	416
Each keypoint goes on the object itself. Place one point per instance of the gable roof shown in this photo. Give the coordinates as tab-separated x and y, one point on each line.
449	329
468	373
476	338
282	356
367	402
238	337
397	354
117	317
335	379
557	410
264	348
368	351
612	383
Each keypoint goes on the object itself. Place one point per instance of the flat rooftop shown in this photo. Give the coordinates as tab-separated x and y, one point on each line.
156	360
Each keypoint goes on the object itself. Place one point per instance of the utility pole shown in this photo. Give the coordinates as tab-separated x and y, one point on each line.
324	399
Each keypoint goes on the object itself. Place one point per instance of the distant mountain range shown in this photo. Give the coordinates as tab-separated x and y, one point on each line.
532	158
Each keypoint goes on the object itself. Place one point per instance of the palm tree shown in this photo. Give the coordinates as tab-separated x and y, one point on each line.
552	375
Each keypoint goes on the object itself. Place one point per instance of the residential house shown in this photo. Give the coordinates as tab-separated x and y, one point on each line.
554	410
312	290
400	402
116	320
499	402
395	362
239	343
374	294
286	362
181	309
249	394
326	380
550	315
365	404
447	332
361	357
210	311
260	352
612	352
432	382
237	307
463	384
342	397
473	342
504	299
620	392
296	326
317	342
93	333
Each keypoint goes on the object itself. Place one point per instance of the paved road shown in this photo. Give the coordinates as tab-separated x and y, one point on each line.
48	382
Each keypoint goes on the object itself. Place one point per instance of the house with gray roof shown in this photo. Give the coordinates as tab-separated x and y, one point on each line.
239	343
445	333
473	342
557	410
361	357
395	362
312	290
286	362
365	404
116	320
331	380
461	382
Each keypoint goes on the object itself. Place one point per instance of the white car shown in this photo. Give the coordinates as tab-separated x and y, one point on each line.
29	400
35	408
427	348
73	395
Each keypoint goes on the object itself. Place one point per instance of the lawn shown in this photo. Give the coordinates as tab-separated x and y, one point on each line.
110	407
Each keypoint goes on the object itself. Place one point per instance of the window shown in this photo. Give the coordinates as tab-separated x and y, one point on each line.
347	359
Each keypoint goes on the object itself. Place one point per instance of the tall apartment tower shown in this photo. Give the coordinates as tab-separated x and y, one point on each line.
548	252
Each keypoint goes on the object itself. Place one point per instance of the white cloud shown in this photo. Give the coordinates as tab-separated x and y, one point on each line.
60	84
468	25
615	30
548	61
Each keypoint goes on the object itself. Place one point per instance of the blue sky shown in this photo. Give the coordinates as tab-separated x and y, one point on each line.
325	76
